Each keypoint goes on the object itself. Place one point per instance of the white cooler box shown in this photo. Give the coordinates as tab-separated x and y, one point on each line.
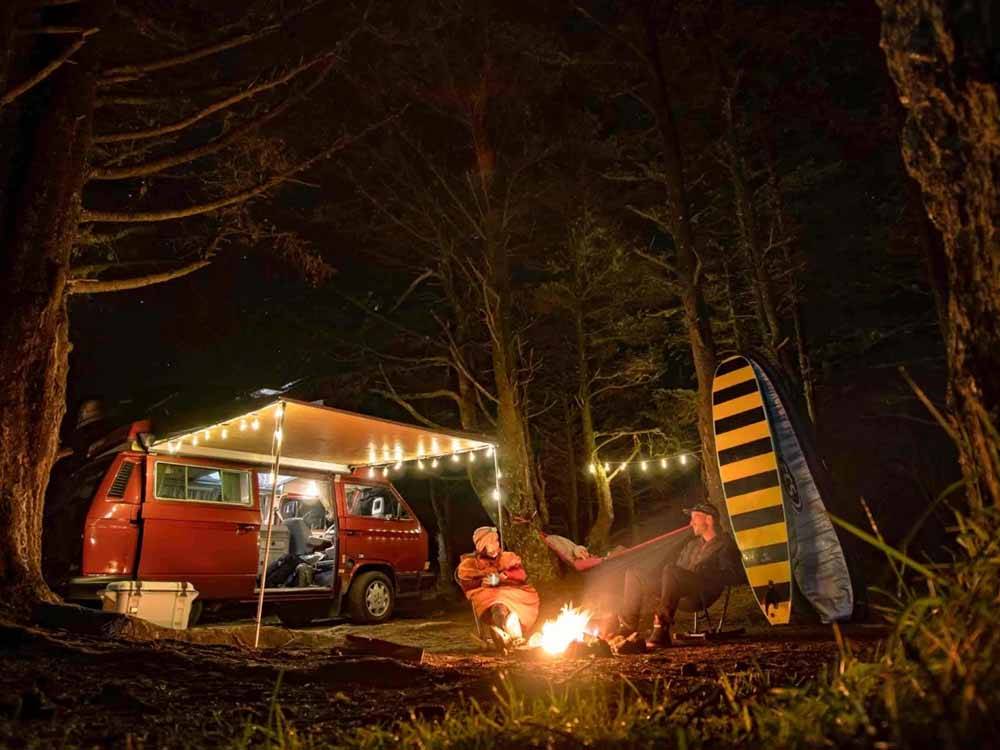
164	603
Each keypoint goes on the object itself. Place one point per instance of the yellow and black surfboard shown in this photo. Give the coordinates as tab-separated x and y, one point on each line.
748	466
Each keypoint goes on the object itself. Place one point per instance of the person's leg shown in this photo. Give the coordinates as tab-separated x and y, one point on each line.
675	584
632	605
495	618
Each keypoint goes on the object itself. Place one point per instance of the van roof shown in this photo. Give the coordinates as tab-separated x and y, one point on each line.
312	436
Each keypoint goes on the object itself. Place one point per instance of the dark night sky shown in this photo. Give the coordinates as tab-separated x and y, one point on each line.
248	321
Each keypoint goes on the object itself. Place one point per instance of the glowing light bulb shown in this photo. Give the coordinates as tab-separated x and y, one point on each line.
472	457
684	458
496	494
225	433
644	466
607	467
434	463
371	473
663	463
255	424
489	451
398	465
592	469
194	440
277	435
420	464
454	458
206	434
499	475
385	471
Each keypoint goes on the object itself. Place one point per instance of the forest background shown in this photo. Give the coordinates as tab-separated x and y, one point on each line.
547	223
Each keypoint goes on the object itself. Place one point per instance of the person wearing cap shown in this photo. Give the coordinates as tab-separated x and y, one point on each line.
698	573
495	581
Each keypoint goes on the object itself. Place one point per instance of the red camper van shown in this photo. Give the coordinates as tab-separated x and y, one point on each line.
194	507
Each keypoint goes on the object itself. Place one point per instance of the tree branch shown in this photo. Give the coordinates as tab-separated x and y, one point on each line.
145	169
45	72
409	290
665	265
96	286
946	424
31	31
121	73
396	398
90	238
230	200
211	109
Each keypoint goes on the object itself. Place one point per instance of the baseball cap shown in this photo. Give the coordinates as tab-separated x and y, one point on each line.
706	508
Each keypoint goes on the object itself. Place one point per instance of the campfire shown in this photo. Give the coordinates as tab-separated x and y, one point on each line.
555	636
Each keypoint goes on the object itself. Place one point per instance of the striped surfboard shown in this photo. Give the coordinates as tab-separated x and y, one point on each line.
748	466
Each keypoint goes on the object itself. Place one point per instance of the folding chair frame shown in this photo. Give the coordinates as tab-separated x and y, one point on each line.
716	631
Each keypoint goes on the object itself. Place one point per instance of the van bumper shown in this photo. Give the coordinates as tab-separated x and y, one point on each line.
89	588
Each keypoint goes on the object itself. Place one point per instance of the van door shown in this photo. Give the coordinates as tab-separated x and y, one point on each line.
200	522
378	526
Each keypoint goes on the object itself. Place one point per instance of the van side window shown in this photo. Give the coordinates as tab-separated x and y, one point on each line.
374	502
202	484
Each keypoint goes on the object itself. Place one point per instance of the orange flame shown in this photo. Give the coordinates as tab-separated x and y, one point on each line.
557	635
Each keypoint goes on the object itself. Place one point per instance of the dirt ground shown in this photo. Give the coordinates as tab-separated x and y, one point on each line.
63	690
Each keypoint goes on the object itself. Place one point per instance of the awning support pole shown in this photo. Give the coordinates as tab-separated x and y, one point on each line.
499	495
276	442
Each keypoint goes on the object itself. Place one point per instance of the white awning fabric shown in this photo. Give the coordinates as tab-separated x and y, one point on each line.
318	437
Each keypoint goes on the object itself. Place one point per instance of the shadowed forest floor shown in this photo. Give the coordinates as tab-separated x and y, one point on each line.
63	690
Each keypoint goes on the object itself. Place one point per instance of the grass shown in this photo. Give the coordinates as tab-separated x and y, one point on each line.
934	683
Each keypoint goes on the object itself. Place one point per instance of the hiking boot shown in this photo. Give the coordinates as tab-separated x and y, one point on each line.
499	639
660	637
623	629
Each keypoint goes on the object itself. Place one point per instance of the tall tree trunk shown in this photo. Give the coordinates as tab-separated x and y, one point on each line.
441	506
739	338
784	236
38	237
521	522
942	57
696	316
572	475
760	277
604	517
627	496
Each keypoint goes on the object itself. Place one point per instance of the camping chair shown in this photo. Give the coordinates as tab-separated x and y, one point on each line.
478	635
712	632
733	576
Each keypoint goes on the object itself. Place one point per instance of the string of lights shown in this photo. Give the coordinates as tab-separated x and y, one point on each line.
645	464
242	424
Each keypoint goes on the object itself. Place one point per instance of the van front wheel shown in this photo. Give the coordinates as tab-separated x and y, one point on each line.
372	597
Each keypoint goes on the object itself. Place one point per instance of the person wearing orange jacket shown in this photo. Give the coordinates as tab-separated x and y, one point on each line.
496	583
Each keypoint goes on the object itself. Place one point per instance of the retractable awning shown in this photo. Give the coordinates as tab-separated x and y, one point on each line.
318	437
